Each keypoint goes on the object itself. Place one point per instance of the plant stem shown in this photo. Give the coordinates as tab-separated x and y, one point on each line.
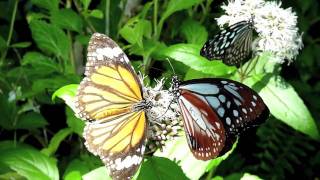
107	20
72	59
13	18
155	18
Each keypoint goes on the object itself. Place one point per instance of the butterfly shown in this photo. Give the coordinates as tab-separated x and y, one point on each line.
232	45
110	99
215	111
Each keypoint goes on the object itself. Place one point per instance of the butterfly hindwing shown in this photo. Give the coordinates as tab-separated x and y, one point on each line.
232	45
215	111
107	97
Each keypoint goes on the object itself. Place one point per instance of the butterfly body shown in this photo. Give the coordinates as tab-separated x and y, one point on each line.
110	98
215	111
232	45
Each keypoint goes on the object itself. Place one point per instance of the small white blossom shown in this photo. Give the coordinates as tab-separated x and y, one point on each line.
276	27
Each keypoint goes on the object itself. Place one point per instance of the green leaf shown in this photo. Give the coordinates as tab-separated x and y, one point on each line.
20	45
85	4
76	124
30	163
285	104
51	5
9	112
194	32
50	39
56	141
189	55
67	19
160	168
96	13
75	169
178	151
178	5
67	93
31	120
99	173
42	64
135	29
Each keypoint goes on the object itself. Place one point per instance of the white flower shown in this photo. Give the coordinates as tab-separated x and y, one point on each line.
276	27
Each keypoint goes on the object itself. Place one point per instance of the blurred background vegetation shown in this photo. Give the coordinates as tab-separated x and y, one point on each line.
43	47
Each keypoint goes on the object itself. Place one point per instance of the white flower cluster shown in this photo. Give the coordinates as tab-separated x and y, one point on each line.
276	27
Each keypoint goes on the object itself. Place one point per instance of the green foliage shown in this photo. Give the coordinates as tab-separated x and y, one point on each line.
42	56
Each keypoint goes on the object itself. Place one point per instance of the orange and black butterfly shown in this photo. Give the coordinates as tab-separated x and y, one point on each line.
110	98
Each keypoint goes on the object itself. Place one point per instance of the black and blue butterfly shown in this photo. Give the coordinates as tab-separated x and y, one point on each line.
215	111
233	45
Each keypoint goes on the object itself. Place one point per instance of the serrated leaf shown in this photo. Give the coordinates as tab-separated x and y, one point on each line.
51	5
178	151
42	64
177	5
285	104
135	29
189	55
30	163
67	19
31	120
50	38
76	124
194	32
160	168
56	141
20	45
99	173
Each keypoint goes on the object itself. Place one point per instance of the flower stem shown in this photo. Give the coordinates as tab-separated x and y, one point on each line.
107	12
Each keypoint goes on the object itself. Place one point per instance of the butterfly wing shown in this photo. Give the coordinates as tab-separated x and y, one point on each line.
215	110
232	45
106	97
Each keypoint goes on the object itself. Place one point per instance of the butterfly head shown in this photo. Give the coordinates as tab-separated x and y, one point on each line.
142	105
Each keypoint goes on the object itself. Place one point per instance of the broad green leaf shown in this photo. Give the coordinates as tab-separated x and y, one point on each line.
85	4
160	168
188	54
135	29
31	120
177	5
42	64
4	145
285	104
9	112
51	5
76	124
67	93
73	175
99	173
67	19
20	45
56	141
96	13
76	168
35	16
30	163
50	39
178	151
194	32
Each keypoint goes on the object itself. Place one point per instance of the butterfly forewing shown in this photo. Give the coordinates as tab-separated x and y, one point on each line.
106	97
232	45
222	107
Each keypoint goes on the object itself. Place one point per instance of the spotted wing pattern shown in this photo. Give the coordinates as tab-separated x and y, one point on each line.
232	45
215	111
107	98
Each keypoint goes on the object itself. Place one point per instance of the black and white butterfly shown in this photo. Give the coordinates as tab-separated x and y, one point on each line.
215	111
233	45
